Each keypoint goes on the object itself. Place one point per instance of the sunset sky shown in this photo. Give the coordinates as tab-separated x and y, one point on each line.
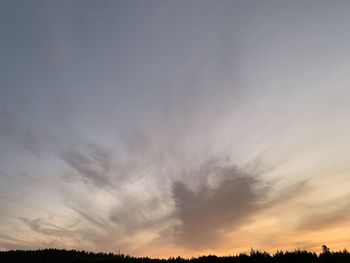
166	128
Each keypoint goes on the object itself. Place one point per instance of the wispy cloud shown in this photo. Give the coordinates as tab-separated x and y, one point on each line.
91	163
325	215
13	131
40	226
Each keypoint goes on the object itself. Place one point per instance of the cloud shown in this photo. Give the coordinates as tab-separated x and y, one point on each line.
212	209
141	215
326	215
91	162
9	243
12	131
196	208
289	193
93	219
46	228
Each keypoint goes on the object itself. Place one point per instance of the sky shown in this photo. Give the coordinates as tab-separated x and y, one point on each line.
166	128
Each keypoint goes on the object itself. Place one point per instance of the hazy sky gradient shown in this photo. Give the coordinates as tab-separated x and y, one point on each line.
165	128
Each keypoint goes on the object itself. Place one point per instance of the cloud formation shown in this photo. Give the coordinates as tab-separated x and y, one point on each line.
91	163
12	131
46	228
211	210
118	134
326	215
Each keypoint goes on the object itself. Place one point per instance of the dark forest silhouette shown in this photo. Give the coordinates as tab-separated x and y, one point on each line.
61	256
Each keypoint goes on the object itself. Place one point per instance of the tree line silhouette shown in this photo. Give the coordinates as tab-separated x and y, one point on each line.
74	256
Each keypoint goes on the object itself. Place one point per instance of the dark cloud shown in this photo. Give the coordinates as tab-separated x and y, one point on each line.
208	212
91	162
